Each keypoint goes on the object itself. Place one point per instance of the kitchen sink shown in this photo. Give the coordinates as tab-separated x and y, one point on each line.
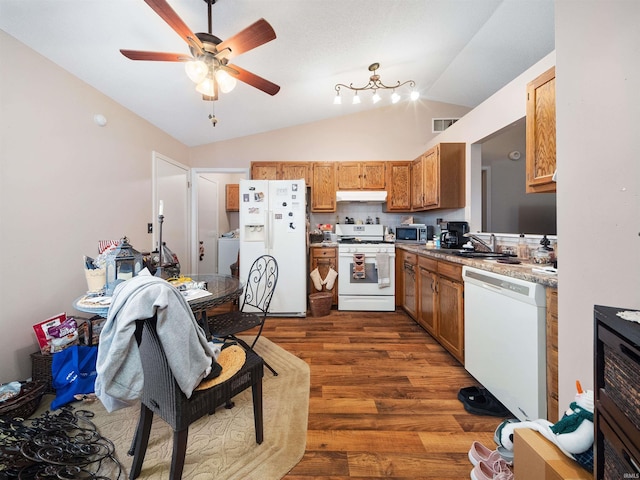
473	254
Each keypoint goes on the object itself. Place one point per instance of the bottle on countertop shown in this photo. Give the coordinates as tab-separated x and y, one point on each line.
436	241
523	249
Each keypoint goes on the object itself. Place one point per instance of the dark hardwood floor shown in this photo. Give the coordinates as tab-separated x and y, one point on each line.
383	400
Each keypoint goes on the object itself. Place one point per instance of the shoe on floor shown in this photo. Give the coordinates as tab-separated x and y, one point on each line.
479	453
485	404
498	470
469	392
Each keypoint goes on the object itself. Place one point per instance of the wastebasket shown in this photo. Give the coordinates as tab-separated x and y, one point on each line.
320	303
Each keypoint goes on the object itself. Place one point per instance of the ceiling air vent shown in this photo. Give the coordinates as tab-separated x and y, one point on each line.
441	124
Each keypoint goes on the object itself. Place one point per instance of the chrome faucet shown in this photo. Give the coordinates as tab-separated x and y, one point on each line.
477	240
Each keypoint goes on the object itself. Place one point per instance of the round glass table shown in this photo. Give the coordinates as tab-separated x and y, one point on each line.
223	289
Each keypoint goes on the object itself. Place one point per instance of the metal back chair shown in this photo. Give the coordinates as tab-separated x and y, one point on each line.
258	292
162	395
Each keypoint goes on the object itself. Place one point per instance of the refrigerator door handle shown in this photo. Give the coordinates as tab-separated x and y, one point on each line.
269	231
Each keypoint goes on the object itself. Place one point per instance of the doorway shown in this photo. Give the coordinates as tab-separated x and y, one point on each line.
209	218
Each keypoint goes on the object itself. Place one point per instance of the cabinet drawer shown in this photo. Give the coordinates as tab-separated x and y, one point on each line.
621	457
428	263
411	258
324	253
451	270
621	374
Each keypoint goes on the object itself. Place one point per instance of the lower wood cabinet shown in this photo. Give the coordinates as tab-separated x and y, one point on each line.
552	355
432	293
441	303
324	258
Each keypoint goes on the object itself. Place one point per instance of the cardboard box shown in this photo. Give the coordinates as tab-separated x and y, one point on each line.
536	458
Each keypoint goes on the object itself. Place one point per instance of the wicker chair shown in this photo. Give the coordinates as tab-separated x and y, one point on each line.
161	395
258	292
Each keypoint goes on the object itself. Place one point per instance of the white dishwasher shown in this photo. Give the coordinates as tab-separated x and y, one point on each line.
505	339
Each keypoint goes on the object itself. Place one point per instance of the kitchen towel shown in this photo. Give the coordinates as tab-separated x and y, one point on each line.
382	263
359	271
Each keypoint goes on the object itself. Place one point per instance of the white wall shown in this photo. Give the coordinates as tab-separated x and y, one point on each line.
65	184
396	132
598	112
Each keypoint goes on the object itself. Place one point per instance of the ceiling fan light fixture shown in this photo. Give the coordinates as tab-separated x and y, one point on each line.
395	98
356	99
376	97
196	70
225	81
337	100
415	95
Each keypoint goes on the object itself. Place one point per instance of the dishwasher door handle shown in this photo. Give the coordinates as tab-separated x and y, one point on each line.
493	288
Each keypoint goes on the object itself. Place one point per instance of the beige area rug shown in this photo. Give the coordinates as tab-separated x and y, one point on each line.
223	446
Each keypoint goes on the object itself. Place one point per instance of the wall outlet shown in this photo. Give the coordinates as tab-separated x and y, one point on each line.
149	227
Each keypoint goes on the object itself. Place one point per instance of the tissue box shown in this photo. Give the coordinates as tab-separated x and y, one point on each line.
536	458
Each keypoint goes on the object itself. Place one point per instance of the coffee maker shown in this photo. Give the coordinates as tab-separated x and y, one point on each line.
453	235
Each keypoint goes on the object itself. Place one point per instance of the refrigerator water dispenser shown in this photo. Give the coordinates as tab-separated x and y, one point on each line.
254	233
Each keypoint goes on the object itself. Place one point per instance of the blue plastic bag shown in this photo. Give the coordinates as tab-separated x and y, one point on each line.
73	372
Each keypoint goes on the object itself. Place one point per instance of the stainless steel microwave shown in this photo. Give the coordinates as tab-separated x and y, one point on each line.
414	233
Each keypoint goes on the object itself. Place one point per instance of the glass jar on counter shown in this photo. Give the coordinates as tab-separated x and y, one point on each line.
544	254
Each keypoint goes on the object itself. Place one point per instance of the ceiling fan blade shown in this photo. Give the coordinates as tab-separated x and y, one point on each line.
155	56
251	37
254	80
168	14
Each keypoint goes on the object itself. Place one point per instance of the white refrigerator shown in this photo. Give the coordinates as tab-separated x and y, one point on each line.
273	222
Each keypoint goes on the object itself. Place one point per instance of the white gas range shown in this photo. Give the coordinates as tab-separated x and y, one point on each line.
366	266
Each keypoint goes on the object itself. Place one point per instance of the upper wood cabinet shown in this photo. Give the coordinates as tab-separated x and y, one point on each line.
361	175
398	186
296	171
264	170
281	171
437	178
323	187
541	133
232	197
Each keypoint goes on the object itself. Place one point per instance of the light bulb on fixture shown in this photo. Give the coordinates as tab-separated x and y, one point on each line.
356	99
414	95
225	81
395	98
196	70
207	87
376	98
337	100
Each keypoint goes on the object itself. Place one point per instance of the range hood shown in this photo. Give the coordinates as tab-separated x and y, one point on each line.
371	196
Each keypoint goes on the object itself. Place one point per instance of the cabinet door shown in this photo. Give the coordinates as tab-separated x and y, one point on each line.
552	355
296	171
323	191
451	316
428	305
431	177
232	197
410	289
349	176
398	186
417	184
541	133
373	175
264	170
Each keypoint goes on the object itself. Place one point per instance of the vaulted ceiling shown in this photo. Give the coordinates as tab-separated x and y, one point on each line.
457	51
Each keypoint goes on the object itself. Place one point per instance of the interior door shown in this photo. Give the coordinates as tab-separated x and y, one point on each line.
170	184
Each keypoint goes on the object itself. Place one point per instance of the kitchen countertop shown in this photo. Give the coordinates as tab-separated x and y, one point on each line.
522	271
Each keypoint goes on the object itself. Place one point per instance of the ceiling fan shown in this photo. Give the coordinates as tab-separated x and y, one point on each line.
208	65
